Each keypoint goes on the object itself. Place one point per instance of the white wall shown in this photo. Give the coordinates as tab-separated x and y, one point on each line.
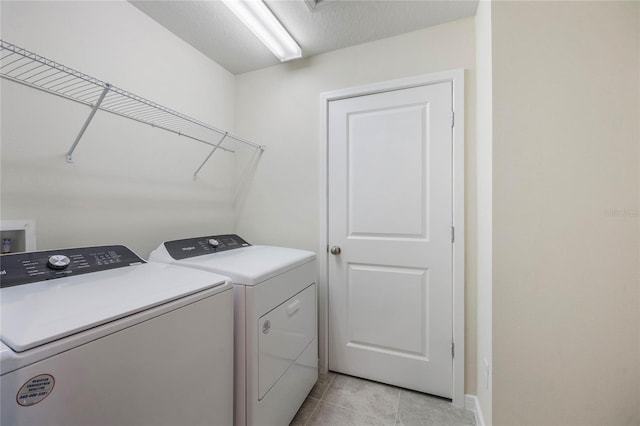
565	223
281	106
484	141
130	183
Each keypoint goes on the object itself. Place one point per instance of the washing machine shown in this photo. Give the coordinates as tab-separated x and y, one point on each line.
97	336
276	343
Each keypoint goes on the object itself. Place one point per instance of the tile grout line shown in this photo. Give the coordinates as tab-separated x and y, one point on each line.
337	404
395	422
348	408
367	414
319	401
328	386
306	422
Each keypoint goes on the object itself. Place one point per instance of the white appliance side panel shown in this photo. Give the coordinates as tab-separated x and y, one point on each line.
283	334
283	401
172	369
240	346
274	291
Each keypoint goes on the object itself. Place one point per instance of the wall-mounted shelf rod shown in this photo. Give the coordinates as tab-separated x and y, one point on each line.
195	175
86	123
27	68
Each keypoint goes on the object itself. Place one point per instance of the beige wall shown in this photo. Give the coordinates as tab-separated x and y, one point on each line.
281	107
484	128
565	222
130	183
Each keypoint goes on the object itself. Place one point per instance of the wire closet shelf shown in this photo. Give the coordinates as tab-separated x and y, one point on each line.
30	69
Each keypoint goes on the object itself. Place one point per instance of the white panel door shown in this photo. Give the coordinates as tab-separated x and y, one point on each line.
390	213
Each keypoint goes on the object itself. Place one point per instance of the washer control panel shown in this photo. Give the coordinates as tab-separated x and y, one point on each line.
26	268
200	246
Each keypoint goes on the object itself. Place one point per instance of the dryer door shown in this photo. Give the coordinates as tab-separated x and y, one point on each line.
284	333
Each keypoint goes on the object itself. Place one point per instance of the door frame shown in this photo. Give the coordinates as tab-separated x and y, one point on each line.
456	77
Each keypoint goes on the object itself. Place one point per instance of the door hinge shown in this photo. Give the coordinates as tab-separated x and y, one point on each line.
453	350
453	118
453	234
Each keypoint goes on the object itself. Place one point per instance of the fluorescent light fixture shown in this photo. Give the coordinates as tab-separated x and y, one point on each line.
264	25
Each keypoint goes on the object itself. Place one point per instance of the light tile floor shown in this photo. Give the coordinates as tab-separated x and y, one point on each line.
338	400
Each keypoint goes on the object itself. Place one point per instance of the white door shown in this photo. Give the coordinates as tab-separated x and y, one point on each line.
390	215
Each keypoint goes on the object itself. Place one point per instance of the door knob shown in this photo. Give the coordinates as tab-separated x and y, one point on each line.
335	250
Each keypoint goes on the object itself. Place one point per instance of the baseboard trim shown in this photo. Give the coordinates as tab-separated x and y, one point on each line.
471	403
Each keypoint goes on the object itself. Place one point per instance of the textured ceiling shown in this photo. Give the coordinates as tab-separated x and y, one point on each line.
212	29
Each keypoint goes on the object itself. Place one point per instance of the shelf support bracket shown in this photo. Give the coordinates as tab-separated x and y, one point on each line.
195	175
86	123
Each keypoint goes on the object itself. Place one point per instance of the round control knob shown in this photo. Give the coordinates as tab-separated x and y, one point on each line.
213	243
58	261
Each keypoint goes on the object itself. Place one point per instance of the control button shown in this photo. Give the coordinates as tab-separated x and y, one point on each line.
213	243
58	261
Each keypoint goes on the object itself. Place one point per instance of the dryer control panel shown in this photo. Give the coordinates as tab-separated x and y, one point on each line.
199	246
30	267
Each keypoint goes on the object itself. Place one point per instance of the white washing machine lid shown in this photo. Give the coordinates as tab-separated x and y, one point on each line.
250	265
41	312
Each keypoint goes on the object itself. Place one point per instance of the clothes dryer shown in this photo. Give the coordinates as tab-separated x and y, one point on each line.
275	311
97	336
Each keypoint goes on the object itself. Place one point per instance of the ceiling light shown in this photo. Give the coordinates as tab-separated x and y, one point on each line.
264	25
